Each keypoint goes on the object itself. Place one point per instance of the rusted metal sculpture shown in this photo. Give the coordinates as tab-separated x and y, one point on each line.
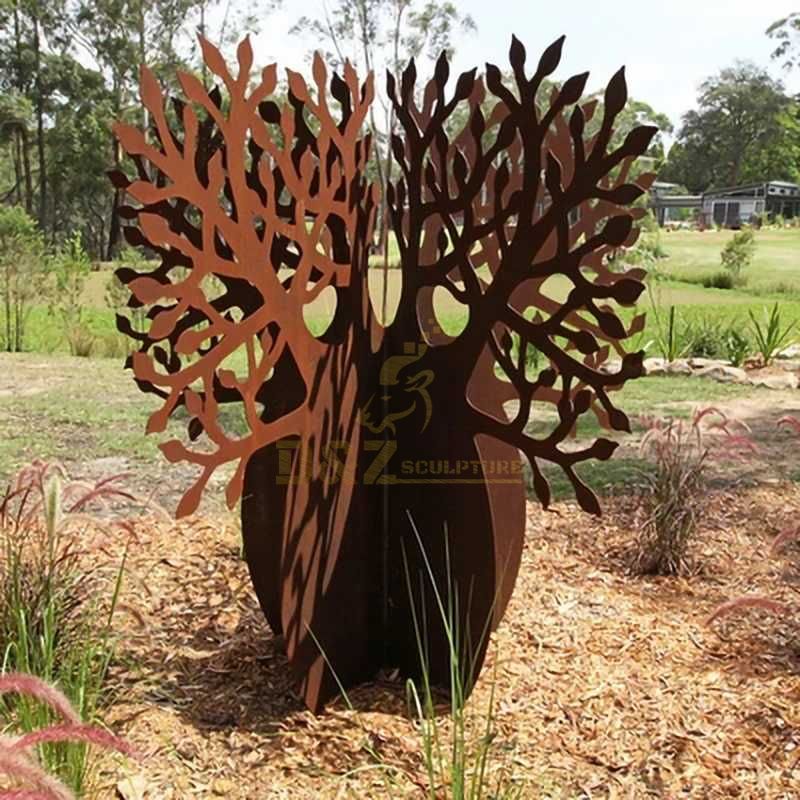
254	207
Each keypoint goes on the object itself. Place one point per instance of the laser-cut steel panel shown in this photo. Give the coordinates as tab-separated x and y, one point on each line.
254	207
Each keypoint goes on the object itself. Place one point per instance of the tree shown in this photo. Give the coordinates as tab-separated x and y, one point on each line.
786	32
122	35
16	116
23	273
743	130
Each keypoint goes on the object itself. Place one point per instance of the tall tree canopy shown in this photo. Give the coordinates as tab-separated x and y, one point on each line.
68	69
745	128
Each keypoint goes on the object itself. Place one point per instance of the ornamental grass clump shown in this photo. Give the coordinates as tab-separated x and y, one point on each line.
23	776
676	486
62	556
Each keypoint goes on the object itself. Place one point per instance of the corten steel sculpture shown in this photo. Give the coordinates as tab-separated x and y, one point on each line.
255	206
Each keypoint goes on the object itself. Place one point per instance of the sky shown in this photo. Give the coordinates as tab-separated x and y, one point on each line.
667	46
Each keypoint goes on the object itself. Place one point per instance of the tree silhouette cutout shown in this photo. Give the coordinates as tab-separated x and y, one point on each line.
380	469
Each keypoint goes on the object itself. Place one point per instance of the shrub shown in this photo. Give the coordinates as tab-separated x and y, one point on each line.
71	268
673	335
718	280
737	255
737	345
17	765
769	335
705	340
23	273
57	598
675	488
117	295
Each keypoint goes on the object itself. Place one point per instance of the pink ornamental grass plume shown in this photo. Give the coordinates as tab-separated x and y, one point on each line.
17	759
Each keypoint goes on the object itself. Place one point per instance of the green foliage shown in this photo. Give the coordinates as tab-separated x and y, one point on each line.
786	32
23	273
769	334
673	335
67	71
718	280
737	345
737	255
71	268
116	299
744	129
53	624
705	338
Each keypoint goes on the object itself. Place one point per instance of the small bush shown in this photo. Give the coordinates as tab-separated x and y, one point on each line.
675	490
118	296
71	268
705	340
737	345
737	255
23	273
673	334
718	280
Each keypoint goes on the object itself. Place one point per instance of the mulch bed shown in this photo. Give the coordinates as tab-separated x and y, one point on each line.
605	685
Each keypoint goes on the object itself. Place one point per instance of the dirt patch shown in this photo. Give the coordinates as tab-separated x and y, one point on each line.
605	685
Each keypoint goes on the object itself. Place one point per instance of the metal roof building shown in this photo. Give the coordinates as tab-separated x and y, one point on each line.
730	207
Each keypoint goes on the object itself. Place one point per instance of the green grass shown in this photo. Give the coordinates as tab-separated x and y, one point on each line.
694	255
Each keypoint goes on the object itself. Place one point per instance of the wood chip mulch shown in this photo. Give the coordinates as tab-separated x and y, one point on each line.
605	685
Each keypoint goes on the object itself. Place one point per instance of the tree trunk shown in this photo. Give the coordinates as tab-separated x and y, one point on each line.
40	144
114	226
26	169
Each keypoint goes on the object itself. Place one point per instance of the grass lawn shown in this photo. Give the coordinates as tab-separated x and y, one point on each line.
694	255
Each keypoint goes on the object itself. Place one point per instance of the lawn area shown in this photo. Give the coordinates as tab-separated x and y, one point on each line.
693	255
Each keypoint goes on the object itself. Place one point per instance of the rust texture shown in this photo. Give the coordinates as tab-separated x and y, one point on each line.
379	466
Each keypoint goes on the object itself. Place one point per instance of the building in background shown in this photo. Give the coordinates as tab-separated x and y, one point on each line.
729	207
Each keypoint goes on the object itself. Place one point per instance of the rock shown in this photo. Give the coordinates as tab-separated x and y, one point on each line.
655	366
703	363
776	380
723	373
793	351
610	367
680	366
